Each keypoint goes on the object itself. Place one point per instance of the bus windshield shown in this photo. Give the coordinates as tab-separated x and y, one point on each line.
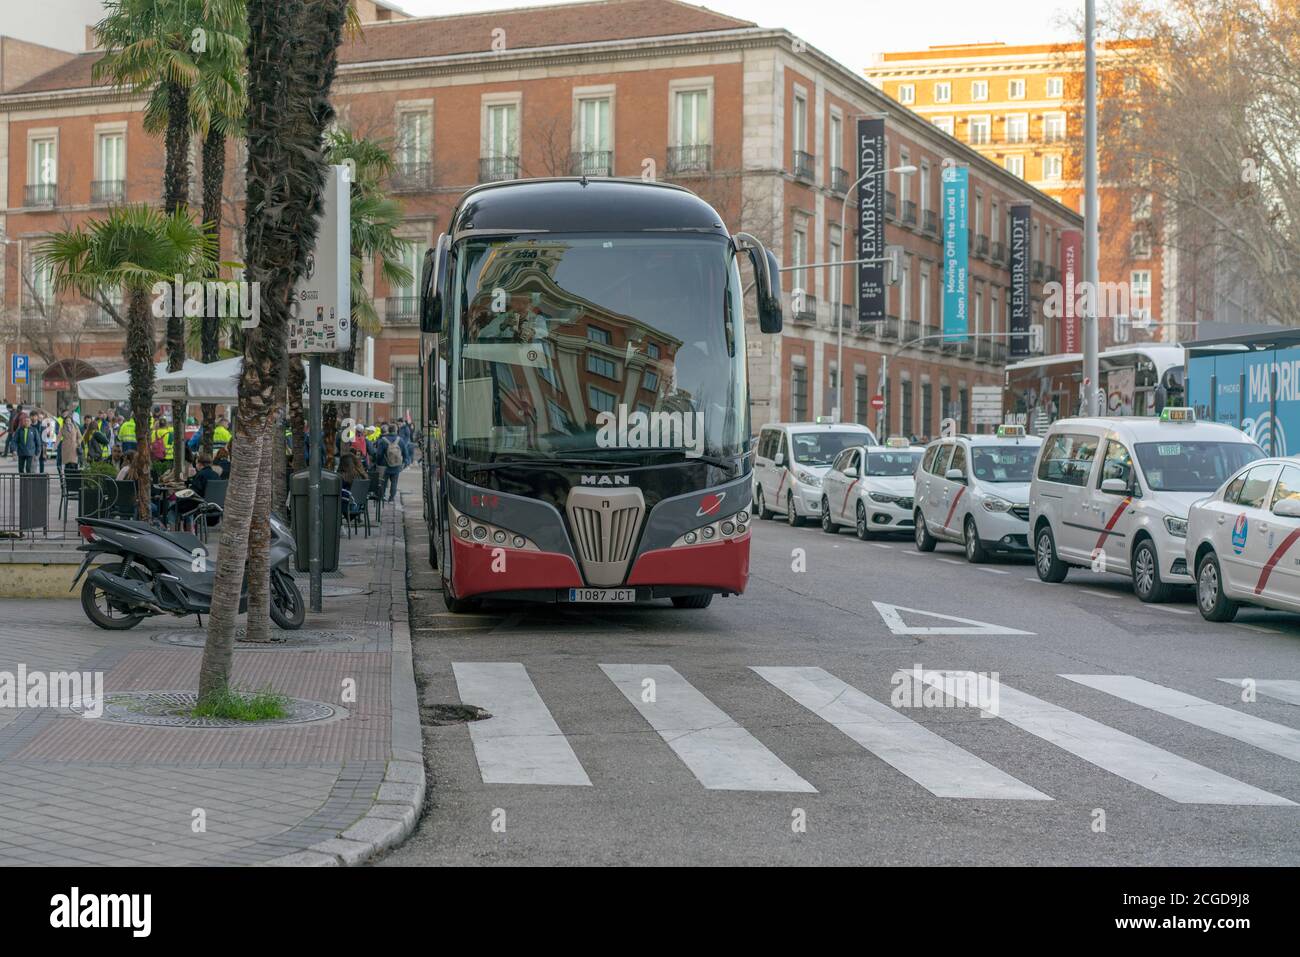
629	348
1004	463
893	462
1193	466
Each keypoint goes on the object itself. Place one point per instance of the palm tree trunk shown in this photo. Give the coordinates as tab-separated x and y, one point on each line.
176	187
259	544
139	356
214	175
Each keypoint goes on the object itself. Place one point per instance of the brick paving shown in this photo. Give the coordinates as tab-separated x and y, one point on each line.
88	792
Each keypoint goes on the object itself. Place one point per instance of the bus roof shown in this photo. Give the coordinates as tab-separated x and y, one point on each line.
1161	354
575	204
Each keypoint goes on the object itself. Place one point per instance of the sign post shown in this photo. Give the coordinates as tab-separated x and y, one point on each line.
320	320
19	368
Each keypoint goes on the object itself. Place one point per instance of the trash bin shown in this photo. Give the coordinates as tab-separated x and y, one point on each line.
300	519
33	502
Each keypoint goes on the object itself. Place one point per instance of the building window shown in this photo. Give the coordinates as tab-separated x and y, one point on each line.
1132	83
110	168
906	93
944	123
963	411
413	144
905	290
837	272
42	284
692	127
599	335
927	408
406	390
599	365
798	256
1054	127
1141	207
905	406
1017	127
979	130
652	350
501	143
943	92
42	171
1015	165
1015	89
923	301
1055	86
560	421
600	400
861	398
1052	166
1139	283
798	394
979	90
837	140
650	381
1140	245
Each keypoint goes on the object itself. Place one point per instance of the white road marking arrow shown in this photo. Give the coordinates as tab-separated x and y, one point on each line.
969	626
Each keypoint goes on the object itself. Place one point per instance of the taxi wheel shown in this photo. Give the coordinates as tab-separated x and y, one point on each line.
760	506
1210	599
792	518
975	552
828	523
1050	568
863	529
924	540
1146	574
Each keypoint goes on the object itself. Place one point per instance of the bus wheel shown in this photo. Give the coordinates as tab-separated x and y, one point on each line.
692	601
458	606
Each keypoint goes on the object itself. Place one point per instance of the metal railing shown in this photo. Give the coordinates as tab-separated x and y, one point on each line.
931	222
411	176
804	307
803	167
981	245
493	169
843	313
697	158
401	310
909	212
41	194
592	163
839	180
999	252
107	190
891	204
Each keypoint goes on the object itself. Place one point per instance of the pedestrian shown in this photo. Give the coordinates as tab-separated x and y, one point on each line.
221	463
27	442
389	454
69	442
11	424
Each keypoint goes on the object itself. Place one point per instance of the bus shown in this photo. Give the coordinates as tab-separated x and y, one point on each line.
584	394
1138	380
1251	381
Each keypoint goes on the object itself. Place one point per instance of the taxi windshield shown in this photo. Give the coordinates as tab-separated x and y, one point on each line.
820	448
1193	466
1004	463
892	462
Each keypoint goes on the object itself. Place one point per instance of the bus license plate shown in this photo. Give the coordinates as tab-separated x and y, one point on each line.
603	594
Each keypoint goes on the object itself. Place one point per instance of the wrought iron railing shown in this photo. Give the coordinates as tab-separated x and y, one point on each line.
592	163
107	190
697	158
492	169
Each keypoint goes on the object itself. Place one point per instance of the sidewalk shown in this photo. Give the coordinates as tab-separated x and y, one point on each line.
80	791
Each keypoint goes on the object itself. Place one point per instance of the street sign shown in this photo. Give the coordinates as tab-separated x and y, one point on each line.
986	404
877	402
19	366
320	317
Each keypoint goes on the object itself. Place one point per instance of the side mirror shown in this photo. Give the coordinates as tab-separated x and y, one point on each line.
1287	508
779	459
767	282
433	277
1114	486
955	475
851	472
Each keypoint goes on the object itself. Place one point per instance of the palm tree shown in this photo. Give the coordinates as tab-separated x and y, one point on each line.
292	58
132	248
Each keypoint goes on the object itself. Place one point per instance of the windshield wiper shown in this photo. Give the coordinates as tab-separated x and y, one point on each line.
476	465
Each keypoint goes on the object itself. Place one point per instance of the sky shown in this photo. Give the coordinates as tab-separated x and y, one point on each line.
851	30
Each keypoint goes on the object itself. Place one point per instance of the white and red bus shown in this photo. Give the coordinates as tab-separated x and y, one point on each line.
585	401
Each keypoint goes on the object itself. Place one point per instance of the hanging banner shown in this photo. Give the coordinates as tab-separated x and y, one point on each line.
871	219
1071	264
1021	312
956	277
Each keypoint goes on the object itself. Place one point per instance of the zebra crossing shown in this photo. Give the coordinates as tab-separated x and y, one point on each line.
523	744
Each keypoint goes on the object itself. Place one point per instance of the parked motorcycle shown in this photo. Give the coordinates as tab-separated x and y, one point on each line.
167	573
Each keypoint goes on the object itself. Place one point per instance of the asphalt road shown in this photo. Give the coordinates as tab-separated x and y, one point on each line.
1157	761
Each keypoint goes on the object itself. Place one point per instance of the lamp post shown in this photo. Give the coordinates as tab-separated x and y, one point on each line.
1091	236
839	322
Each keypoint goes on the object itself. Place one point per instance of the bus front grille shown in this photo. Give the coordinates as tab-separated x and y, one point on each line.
605	524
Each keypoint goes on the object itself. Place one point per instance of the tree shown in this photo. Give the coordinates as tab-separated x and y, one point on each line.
132	248
1199	120
292	58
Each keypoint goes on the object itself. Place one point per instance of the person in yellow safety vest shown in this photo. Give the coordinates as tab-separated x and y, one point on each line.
220	434
166	433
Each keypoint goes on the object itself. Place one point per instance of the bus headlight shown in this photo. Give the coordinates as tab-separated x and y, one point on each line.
482	533
724	529
1177	526
994	504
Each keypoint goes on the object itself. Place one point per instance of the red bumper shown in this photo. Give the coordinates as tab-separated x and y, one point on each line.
472	571
723	565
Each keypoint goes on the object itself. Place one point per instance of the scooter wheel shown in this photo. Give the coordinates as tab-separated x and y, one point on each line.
287	607
95	603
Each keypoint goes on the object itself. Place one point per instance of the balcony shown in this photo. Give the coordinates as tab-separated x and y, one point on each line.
909	213
930	222
982	246
401	310
1038	270
1000	353
804	166
839	180
494	169
999	252
592	163
804	308
411	177
690	159
844	312
891	205
107	191
41	194
911	331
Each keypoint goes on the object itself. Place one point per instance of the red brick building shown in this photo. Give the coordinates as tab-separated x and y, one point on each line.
753	119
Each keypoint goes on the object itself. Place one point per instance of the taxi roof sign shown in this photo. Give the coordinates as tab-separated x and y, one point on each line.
897	442
1178	413
1011	431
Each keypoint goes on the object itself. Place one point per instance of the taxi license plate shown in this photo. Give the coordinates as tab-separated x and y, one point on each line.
622	595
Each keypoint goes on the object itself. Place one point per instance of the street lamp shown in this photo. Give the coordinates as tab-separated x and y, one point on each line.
839	320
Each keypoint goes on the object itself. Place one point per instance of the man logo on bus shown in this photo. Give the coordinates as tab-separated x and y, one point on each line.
710	504
1239	532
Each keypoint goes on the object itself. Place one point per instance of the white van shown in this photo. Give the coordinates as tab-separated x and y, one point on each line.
974	490
1113	493
790	460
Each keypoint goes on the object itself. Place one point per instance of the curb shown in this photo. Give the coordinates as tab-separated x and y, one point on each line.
400	799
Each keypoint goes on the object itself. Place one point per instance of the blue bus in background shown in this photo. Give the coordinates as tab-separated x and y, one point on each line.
1251	382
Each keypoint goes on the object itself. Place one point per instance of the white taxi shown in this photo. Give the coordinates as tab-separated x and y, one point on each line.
870	488
1243	542
974	490
1113	493
790	459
